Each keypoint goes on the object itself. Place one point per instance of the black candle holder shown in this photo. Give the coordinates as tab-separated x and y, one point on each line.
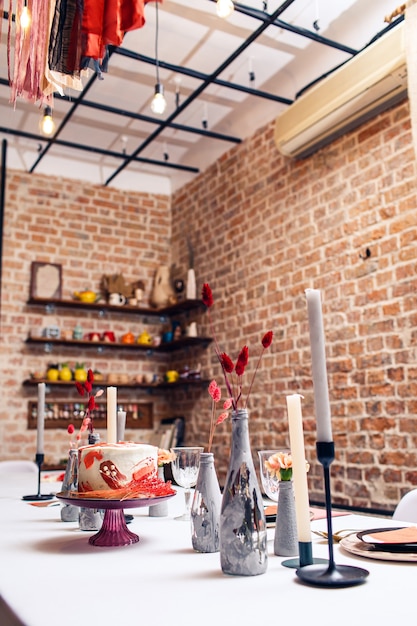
333	575
39	496
305	552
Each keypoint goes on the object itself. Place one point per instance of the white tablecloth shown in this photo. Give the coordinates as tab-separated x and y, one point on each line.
51	576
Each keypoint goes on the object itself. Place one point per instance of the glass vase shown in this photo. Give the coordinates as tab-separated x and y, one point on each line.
285	538
70	512
243	534
205	509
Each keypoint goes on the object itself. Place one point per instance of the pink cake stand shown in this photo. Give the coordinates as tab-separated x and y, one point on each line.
113	531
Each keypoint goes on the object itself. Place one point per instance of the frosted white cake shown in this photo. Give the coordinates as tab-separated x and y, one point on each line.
104	466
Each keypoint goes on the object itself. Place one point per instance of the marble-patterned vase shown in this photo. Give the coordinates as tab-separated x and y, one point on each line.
205	508
91	519
243	534
70	512
285	538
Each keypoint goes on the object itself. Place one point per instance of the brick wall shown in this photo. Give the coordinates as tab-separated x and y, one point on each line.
90	231
264	229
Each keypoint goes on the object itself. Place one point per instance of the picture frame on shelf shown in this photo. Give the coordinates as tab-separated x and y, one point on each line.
45	280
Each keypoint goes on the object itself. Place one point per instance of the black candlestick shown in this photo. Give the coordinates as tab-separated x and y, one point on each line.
39	496
333	575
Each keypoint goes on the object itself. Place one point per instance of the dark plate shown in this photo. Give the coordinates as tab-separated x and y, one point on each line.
385	547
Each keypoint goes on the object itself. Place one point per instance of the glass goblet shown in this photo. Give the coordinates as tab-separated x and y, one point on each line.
270	482
185	469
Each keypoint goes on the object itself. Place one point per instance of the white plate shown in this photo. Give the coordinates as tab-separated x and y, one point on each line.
355	546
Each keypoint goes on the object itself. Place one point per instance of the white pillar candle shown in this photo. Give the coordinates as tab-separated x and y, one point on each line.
318	364
40	418
121	424
111	414
302	505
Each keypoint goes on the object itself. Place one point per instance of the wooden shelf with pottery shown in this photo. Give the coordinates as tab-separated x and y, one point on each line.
179	308
178	344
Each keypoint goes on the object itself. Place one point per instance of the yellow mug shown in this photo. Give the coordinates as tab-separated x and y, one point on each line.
172	376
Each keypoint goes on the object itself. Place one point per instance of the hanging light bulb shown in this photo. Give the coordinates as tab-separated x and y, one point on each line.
224	8
158	104
47	124
25	17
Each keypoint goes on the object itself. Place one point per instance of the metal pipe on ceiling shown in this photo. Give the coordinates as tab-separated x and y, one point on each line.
252	37
102	151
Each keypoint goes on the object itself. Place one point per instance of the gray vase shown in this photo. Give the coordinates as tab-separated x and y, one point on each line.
91	519
205	509
243	534
285	538
69	512
160	509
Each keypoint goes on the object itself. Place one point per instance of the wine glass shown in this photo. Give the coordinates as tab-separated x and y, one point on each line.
270	483
185	469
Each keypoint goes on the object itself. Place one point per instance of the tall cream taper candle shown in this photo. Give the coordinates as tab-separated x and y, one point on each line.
318	364
111	414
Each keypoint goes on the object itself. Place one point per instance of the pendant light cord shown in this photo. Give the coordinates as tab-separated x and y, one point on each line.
156	42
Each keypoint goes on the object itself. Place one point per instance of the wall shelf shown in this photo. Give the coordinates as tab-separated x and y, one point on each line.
101	346
179	308
184	382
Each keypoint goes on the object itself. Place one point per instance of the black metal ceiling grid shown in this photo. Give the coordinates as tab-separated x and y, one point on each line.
266	20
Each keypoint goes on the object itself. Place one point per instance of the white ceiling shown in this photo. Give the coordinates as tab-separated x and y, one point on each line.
191	36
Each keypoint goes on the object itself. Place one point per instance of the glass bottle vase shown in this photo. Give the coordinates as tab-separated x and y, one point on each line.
91	519
70	512
243	533
205	508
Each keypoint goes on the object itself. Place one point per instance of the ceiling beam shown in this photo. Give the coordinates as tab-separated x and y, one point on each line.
252	37
102	151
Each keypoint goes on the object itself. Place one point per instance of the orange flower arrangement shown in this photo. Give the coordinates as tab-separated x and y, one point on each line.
234	383
165	456
279	465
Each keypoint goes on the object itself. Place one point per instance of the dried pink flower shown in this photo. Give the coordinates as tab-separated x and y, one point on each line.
215	393
234	387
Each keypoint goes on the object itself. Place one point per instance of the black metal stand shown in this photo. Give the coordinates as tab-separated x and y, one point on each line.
39	460
333	575
305	551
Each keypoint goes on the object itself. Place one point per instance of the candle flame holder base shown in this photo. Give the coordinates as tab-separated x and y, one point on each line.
333	575
39	496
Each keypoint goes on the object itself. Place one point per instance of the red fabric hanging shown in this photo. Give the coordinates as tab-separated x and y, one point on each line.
105	22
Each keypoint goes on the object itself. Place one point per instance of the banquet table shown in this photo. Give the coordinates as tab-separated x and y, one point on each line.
51	576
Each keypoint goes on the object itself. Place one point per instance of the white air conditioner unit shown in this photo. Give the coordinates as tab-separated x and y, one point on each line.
369	83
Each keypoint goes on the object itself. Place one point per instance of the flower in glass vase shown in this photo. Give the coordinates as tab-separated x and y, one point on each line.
233	371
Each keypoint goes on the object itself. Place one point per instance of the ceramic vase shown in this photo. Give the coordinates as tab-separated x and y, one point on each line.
191	291
205	508
285	538
160	509
243	534
70	512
